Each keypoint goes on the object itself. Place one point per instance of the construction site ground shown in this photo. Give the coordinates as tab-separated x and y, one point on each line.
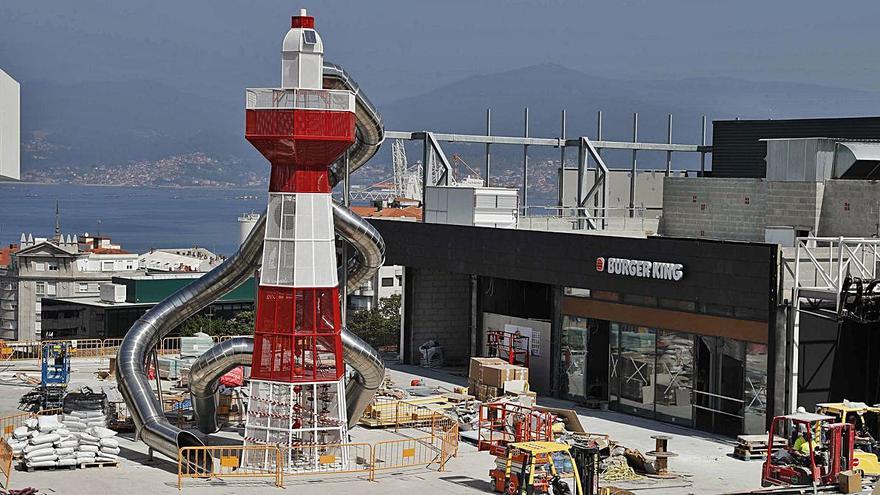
704	462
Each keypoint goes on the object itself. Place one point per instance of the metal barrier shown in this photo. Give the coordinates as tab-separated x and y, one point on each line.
170	345
342	458
264	461
407	453
9	423
230	462
409	415
5	461
111	347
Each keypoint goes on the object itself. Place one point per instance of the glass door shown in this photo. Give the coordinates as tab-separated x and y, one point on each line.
573	364
718	385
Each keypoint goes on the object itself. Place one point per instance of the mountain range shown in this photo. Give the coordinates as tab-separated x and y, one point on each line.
141	131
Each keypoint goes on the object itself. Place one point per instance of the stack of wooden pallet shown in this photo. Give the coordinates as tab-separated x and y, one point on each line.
750	447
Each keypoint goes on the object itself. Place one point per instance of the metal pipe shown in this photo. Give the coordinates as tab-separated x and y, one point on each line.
562	161
632	177
526	162
146	411
703	153
669	140
488	153
204	378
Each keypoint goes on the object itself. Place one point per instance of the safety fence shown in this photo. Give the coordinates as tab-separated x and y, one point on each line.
32	349
5	461
226	462
437	442
8	424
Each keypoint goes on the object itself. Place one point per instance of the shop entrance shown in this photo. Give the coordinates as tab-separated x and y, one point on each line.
718	385
584	360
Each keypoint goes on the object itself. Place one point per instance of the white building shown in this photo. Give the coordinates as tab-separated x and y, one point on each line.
194	259
57	267
10	128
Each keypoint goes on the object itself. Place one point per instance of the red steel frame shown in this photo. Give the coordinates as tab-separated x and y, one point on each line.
502	423
508	345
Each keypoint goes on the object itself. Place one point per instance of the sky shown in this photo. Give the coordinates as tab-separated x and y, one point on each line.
401	48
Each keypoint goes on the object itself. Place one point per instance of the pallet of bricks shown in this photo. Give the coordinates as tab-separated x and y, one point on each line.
487	378
749	447
78	438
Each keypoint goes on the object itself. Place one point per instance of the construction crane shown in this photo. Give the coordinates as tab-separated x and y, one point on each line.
472	179
405	182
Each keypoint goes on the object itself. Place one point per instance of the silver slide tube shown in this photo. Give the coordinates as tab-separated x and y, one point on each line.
146	411
205	372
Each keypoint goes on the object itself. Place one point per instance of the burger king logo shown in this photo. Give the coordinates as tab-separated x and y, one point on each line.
600	264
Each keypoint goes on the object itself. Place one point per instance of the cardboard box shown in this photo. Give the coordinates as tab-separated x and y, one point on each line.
497	375
849	482
475	371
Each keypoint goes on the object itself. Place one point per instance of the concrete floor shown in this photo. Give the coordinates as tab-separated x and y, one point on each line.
703	460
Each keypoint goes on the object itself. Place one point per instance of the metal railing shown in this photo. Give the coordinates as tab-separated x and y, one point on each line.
304	99
226	462
31	349
613	218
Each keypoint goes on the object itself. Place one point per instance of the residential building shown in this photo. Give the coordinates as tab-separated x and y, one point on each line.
388	281
58	267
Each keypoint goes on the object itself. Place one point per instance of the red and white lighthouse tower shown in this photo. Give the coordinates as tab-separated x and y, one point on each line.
297	391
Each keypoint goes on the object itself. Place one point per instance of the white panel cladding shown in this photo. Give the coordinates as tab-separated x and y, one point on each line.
10	128
299	249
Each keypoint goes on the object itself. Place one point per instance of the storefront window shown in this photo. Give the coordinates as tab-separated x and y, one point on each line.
755	396
573	363
675	366
636	367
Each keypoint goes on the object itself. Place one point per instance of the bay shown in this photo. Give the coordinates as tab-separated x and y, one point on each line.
138	218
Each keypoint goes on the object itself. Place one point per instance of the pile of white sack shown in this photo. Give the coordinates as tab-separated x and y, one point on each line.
96	442
80	438
44	442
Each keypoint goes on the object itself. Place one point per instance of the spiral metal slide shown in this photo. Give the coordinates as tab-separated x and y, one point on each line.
147	413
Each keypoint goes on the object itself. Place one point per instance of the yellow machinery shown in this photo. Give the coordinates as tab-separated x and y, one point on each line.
866	421
533	468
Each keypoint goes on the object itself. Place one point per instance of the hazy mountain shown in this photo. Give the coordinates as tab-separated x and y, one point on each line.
111	124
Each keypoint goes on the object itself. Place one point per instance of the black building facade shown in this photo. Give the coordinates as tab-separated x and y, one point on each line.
681	330
737	149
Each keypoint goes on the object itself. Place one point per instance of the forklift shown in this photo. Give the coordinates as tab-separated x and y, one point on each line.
866	422
830	451
537	468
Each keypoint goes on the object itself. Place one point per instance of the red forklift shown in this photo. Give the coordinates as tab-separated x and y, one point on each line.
830	451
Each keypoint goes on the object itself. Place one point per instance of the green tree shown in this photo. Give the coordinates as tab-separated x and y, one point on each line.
379	326
240	324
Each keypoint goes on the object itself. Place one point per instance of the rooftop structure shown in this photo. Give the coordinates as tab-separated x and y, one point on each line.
194	259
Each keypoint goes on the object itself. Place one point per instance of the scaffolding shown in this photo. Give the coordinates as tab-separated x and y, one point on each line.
822	268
